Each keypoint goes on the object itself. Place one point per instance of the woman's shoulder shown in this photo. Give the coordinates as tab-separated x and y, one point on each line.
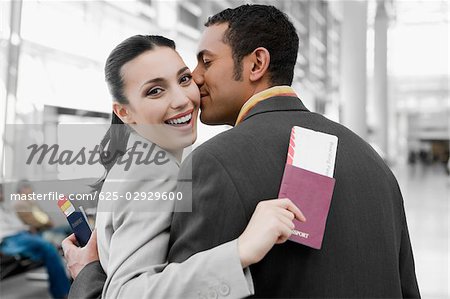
144	170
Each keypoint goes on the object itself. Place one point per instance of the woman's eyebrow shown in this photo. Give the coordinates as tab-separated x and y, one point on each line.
182	70
158	80
155	80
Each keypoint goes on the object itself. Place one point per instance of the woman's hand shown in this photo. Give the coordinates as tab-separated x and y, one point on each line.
271	224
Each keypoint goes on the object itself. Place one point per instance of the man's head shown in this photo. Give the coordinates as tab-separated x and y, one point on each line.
243	51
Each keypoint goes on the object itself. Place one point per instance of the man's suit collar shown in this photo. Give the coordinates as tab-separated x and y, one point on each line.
277	103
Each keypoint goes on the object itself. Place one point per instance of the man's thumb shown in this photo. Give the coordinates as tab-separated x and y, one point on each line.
93	239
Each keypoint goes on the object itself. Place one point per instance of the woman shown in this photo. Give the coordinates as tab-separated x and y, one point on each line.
155	107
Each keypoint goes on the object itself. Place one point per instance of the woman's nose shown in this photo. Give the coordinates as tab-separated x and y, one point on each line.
180	99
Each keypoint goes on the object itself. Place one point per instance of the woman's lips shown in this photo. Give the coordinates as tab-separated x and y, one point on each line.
180	115
185	120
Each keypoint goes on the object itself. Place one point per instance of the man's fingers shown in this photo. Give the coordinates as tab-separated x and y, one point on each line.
72	238
68	242
92	240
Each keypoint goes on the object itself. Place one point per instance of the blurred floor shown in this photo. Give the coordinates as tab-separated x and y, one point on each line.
20	287
426	193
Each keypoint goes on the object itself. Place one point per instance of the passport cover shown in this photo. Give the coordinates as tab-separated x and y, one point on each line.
80	227
312	193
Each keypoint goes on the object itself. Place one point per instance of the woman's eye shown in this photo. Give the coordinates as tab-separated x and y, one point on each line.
154	91
206	62
186	78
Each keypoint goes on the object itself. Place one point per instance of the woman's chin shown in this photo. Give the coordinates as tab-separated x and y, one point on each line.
180	144
194	138
189	141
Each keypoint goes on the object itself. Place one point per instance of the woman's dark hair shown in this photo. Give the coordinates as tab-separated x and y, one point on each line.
116	138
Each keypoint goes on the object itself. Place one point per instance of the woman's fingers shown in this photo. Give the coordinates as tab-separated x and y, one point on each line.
286	219
289	205
286	211
285	233
284	224
271	223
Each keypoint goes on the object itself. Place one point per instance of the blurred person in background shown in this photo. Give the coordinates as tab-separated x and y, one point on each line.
37	219
16	239
28	211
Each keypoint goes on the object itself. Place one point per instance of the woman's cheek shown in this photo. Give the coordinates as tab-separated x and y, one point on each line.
194	94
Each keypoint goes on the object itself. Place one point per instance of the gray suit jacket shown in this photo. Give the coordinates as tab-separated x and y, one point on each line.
133	239
366	251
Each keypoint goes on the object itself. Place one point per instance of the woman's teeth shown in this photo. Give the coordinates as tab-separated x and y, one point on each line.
179	121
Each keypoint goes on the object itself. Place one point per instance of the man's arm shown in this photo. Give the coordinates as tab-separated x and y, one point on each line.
89	283
84	266
217	215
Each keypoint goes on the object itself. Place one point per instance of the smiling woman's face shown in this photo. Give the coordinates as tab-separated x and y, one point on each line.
163	98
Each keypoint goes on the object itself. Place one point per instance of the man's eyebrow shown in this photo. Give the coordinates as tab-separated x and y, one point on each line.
202	53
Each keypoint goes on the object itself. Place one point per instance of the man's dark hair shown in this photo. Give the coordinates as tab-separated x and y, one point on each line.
253	26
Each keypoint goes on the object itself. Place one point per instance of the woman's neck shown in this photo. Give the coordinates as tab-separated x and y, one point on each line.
178	154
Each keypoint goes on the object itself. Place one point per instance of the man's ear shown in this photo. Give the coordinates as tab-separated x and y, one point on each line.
123	112
260	63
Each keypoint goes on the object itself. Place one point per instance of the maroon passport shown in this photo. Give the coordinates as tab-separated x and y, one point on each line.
312	193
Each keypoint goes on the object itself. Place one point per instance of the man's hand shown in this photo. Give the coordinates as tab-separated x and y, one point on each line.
76	257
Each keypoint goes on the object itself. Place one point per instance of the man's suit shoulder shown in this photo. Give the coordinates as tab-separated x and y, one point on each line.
272	129
225	142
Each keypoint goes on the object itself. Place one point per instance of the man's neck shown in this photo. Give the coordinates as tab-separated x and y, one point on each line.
282	90
262	87
256	89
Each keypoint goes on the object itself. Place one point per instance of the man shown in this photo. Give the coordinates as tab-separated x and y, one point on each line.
245	66
15	239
